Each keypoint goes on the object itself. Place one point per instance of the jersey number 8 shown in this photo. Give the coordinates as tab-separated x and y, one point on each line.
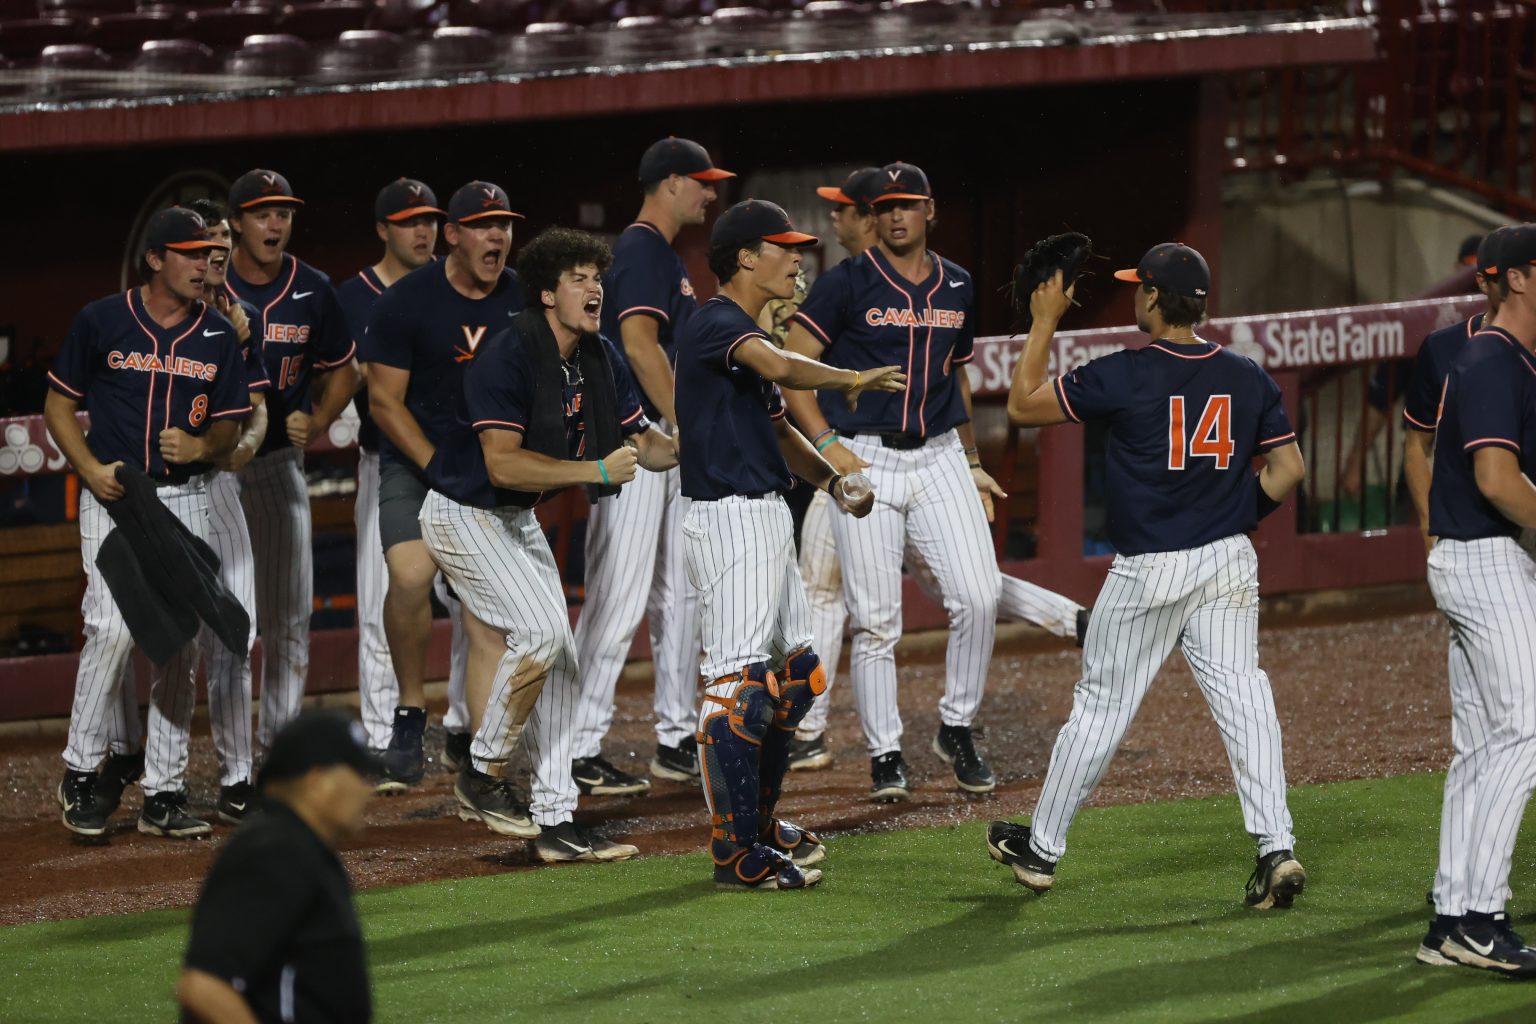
1213	434
199	411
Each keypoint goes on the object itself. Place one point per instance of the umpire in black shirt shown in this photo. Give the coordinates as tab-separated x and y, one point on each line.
274	935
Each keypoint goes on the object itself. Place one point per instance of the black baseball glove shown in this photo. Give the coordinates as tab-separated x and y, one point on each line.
1067	252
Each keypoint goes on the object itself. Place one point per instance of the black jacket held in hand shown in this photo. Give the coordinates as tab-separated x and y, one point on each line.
164	580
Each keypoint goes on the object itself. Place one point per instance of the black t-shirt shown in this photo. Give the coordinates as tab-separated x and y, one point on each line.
275	920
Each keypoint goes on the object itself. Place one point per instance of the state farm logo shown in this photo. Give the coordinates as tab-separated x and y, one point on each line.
20	455
1245	344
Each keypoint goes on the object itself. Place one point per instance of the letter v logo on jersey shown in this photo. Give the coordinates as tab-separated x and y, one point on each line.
472	338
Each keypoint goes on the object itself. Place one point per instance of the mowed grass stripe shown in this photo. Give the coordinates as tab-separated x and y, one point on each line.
1146	924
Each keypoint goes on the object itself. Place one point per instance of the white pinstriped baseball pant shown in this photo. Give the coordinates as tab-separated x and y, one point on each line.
1206	601
1017	600
1487	590
927	498
104	670
500	565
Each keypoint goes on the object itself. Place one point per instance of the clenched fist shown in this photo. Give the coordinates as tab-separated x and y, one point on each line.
620	464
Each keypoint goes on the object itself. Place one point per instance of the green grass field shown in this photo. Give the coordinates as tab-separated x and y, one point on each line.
1146	924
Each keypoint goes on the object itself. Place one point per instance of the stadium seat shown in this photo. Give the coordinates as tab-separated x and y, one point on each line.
227	26
271	56
825	23
24	40
174	57
548	43
361	55
457	48
405	15
116	33
642	37
60	70
733	31
325	20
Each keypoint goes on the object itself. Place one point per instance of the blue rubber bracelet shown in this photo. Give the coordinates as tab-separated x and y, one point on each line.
602	470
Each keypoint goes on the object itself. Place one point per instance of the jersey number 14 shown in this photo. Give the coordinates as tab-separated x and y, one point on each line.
1212	438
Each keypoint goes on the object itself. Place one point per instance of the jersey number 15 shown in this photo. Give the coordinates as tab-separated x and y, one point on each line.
1212	437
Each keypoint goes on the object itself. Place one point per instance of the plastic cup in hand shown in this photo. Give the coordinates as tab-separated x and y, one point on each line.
854	487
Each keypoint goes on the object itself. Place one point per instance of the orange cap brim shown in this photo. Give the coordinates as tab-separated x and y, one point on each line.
712	174
791	238
899	195
835	194
490	213
1469	261
415	211
1132	275
265	200
195	246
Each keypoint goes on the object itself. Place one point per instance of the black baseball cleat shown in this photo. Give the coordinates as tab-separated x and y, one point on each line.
494	802
236	801
1488	941
456	750
1008	843
383	785
809	755
1429	950
1083	615
405	759
165	814
760	868
118	772
679	763
78	800
567	842
1277	880
957	748
595	776
888	778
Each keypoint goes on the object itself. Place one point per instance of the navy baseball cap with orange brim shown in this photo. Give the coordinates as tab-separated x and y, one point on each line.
1515	248
261	188
672	155
857	190
403	199
179	228
478	201
900	181
1173	267
1487	257
757	219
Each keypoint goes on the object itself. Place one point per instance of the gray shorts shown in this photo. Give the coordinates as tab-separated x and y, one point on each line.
401	493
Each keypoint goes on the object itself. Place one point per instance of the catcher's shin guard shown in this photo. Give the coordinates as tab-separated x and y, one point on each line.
804	681
730	749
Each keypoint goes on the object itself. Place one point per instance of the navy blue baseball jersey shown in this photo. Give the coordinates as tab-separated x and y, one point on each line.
1490	401
729	442
1185	422
1421	407
302	329
137	378
868	315
356	295
424	325
647	278
498	394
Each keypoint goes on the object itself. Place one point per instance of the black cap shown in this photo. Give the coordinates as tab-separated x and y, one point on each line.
1488	252
318	739
403	199
857	190
1467	254
678	156
754	219
261	188
1172	267
477	201
179	228
900	181
1517	248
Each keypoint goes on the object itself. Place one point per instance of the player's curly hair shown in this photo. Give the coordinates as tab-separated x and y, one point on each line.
723	261
554	251
211	210
1178	310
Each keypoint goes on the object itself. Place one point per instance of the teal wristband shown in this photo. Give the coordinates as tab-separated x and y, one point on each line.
823	446
602	470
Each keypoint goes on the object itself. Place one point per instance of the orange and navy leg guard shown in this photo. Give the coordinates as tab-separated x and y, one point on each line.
804	681
730	750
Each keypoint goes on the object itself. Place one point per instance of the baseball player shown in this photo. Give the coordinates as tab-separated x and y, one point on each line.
554	406
634	556
738	453
1469	724
303	334
422	334
1480	497
406	219
162	376
853	219
1186	419
900	303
